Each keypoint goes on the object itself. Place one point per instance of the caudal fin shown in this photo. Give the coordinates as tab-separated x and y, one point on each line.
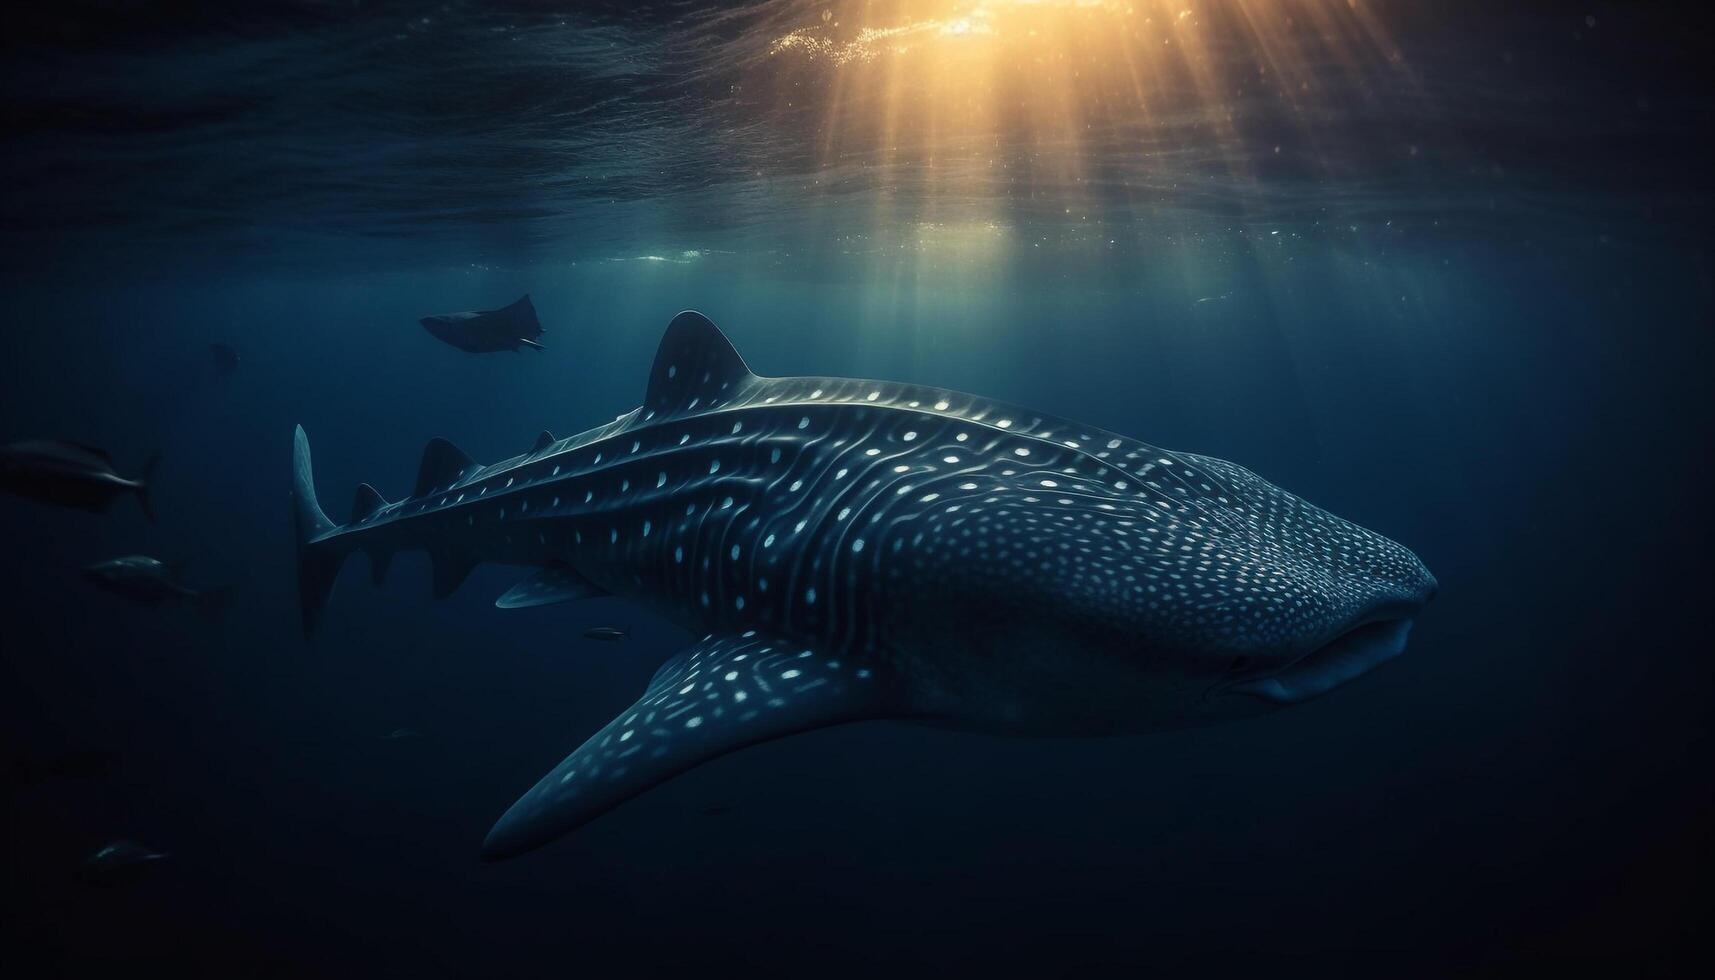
318	561
144	483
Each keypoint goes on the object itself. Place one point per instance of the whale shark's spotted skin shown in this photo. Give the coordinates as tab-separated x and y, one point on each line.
855	549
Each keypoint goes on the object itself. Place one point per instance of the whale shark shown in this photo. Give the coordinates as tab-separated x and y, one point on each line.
850	550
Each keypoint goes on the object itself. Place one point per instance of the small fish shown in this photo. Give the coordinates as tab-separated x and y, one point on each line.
121	861
487	331
153	582
611	634
69	474
225	357
399	733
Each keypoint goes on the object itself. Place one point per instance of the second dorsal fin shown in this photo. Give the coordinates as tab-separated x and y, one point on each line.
543	441
367	502
442	463
696	365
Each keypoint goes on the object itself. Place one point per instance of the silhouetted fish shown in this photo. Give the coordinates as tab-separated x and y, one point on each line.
487	331
69	474
225	357
152	582
609	633
121	861
399	733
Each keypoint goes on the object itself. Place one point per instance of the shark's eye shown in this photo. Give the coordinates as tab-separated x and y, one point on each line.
1238	665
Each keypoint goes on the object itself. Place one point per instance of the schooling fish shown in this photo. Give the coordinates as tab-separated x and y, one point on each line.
860	549
487	331
152	583
69	474
609	633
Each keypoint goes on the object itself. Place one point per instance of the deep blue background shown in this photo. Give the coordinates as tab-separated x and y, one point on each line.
1529	781
1496	351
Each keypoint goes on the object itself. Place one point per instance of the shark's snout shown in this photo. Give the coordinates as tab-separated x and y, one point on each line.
1370	637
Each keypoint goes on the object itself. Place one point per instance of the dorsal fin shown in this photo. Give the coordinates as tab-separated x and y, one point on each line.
365	503
696	365
543	441
442	463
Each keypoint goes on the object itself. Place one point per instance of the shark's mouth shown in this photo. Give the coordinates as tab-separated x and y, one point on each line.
1348	656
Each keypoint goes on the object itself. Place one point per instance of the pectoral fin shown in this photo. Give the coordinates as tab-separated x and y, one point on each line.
555	583
720	695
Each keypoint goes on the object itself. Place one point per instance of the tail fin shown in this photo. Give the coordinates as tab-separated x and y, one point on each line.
318	563
143	484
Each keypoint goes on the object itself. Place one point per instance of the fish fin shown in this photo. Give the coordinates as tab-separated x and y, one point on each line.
450	571
442	463
521	316
366	503
695	365
143	486
718	696
543	441
558	582
318	562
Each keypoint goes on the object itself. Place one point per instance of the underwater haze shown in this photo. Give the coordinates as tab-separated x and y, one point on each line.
1443	270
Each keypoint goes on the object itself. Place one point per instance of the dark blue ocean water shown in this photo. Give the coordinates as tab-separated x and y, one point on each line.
1457	290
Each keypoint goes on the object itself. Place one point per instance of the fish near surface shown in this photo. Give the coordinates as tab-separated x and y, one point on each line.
856	549
488	331
69	474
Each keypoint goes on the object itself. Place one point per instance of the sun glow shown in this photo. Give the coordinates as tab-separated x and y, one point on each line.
1065	92
952	144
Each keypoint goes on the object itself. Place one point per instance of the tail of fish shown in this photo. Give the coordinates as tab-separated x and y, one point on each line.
143	484
318	561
